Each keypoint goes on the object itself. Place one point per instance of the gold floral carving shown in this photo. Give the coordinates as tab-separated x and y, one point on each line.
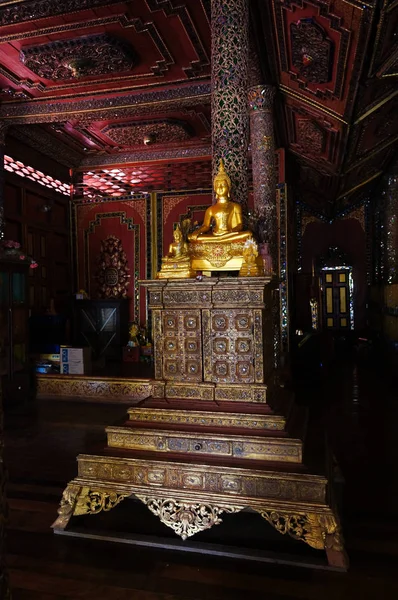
85	387
169	203
251	447
306	219
247	483
81	500
216	254
184	518
139	206
207	418
320	531
358	214
67	505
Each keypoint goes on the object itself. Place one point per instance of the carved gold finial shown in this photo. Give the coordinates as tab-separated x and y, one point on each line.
222	175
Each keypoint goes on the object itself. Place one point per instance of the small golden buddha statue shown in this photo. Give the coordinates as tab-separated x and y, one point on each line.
252	264
220	249
177	262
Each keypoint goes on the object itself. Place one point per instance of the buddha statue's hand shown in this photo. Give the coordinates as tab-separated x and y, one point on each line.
192	237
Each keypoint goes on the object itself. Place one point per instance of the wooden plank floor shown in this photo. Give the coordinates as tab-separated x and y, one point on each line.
358	406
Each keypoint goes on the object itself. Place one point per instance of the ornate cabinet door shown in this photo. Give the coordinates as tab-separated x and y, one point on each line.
230	353
182	345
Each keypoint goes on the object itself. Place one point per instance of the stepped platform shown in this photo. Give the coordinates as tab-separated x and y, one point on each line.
217	436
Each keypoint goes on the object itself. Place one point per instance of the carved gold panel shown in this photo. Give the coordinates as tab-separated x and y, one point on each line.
207	418
209	480
229	345
181	345
253	447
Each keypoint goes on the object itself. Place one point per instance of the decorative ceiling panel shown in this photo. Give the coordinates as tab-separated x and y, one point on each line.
320	47
385	52
314	135
148	132
100	47
87	56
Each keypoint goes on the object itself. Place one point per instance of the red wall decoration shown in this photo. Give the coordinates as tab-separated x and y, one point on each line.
127	221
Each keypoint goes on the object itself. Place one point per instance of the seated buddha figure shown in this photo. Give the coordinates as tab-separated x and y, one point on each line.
225	215
218	243
176	264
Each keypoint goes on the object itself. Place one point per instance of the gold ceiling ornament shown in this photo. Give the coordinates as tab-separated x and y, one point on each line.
186	518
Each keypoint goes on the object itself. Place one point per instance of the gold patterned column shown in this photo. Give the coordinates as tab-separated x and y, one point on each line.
230	127
262	141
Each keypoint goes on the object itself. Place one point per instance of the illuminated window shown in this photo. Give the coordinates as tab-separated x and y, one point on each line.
15	166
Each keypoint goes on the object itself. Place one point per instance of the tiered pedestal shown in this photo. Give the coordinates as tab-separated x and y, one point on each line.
216	436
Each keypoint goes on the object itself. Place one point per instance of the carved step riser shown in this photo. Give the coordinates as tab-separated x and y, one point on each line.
209	481
207	419
281	450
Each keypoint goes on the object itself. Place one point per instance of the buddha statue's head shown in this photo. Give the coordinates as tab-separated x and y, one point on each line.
222	182
177	233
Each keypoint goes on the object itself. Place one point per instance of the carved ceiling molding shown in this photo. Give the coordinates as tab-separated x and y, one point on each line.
380	127
384	48
390	68
44	142
160	68
373	94
18	12
160	131
318	59
86	56
313	135
146	156
187	96
196	67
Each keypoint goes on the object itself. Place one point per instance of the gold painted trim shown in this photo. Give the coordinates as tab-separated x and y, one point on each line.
98	388
304	99
208	418
360	185
376	107
162	440
103	108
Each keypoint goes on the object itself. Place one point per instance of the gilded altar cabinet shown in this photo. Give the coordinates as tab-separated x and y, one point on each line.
217	436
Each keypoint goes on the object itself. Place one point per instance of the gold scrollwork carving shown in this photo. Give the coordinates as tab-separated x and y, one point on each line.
185	518
320	531
81	500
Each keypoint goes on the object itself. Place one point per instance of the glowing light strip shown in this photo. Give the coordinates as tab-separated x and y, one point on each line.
18	168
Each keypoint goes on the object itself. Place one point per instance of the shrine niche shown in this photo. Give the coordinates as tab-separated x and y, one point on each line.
113	273
312	51
91	55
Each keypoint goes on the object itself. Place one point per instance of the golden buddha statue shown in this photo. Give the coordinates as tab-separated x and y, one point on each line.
220	249
252	265
176	264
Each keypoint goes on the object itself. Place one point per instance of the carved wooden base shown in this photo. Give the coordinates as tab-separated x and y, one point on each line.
188	514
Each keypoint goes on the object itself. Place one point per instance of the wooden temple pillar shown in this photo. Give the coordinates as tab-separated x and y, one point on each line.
229	77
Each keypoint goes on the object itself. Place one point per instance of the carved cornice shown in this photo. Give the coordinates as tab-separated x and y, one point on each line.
107	108
47	144
18	12
146	156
